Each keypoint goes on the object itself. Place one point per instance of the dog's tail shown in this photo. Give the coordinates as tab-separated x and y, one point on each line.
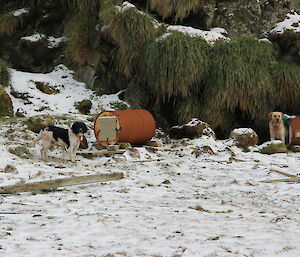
34	141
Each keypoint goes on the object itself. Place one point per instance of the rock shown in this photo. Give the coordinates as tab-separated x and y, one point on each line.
271	147
46	88
244	137
248	16
154	143
195	128
124	145
37	123
6	107
84	106
204	150
10	169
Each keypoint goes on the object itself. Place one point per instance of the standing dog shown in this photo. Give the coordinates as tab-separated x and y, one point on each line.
276	126
68	138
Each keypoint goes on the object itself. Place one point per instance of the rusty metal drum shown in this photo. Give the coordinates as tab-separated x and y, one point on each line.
134	126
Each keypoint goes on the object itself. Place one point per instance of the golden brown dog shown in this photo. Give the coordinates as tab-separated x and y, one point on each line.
276	126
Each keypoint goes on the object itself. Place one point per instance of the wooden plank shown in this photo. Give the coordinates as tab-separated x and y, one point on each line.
94	154
295	180
284	173
61	182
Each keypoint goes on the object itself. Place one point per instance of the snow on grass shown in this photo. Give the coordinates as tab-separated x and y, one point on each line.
21	11
210	35
53	42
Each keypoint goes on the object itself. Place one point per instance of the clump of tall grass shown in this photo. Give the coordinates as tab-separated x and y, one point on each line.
175	65
131	31
239	78
178	9
9	23
5	75
82	39
286	84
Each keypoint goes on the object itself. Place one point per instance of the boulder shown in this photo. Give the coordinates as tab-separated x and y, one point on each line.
6	107
195	128
271	147
46	88
84	106
244	137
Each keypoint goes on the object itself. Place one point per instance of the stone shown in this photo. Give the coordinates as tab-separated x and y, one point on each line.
271	147
244	137
46	88
84	106
193	129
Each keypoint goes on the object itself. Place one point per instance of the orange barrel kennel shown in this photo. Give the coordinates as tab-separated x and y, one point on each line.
130	126
294	131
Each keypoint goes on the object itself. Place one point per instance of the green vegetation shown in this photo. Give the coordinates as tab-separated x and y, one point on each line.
82	35
178	63
9	23
286	84
239	78
131	31
179	9
5	75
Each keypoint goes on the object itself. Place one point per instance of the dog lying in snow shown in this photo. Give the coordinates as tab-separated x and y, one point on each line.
68	138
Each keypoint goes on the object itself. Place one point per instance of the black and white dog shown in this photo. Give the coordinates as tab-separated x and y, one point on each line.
68	138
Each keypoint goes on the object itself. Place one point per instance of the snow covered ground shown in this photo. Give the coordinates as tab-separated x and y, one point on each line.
170	203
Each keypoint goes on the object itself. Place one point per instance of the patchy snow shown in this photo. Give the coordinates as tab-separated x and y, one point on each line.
53	42
273	142
20	12
70	93
291	22
125	5
34	37
210	36
170	203
243	131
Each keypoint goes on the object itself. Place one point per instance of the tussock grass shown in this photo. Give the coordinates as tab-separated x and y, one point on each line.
188	108
5	75
9	23
131	31
179	9
175	65
83	6
82	34
239	78
286	84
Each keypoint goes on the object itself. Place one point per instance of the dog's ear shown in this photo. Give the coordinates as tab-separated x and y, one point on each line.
270	115
282	115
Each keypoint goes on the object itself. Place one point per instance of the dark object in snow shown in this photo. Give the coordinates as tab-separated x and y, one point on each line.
193	129
83	143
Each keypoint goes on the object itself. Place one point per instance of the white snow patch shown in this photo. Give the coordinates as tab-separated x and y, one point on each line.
210	35
291	22
70	92
20	12
242	131
53	42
